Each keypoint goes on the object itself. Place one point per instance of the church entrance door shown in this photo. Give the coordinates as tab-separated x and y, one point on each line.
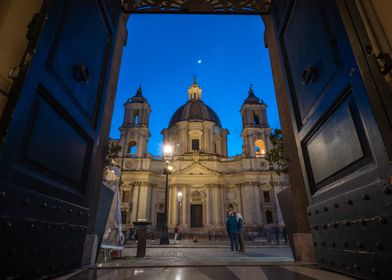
196	215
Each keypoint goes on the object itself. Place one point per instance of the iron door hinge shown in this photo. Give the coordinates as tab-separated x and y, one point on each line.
384	62
34	27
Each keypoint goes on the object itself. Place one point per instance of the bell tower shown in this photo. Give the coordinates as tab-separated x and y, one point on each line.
255	129
135	132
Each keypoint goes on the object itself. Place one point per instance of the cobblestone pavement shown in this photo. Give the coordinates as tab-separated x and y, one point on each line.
194	256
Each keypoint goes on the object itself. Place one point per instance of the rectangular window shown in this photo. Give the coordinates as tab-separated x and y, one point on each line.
195	145
125	197
123	217
266	197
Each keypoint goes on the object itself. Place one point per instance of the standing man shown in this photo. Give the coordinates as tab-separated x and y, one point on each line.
232	230
240	221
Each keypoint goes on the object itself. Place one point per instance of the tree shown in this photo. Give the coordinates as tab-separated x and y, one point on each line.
112	152
276	156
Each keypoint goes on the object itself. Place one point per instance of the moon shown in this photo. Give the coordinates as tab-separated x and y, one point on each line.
199	61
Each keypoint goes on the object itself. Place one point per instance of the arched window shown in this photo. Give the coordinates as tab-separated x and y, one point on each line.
135	114
260	148
256	119
268	217
132	148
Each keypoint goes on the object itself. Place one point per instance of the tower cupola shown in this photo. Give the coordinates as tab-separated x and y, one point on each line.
194	91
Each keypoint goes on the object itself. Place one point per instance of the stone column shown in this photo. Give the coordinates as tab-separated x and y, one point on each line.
134	203
151	202
140	146
143	201
257	208
184	209
224	142
222	210
183	138
208	205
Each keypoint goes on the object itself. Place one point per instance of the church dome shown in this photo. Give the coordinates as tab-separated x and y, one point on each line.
194	109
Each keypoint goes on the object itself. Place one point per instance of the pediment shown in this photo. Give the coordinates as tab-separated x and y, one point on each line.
196	169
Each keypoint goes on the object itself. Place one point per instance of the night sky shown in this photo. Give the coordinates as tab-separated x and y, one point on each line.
226	53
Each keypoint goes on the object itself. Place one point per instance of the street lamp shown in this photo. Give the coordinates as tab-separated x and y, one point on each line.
167	155
179	199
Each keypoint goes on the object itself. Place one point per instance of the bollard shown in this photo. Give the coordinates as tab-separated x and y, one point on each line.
141	237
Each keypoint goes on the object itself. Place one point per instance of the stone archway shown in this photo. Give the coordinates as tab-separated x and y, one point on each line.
36	101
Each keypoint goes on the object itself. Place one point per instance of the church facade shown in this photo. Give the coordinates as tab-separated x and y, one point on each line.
204	183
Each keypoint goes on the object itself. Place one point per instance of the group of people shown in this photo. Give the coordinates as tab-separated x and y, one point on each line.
274	231
235	230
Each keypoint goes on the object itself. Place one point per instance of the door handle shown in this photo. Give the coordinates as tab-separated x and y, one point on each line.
308	74
82	74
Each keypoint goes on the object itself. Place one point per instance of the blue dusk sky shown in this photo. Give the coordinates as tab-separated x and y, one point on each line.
226	53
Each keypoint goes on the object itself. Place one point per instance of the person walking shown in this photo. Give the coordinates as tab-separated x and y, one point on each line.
284	233
240	221
175	234
232	230
276	233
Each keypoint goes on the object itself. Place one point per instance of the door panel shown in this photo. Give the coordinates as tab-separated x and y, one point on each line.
48	155
196	215
342	154
340	140
304	42
59	131
83	54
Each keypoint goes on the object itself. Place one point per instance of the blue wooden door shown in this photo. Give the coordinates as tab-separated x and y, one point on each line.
50	141
343	136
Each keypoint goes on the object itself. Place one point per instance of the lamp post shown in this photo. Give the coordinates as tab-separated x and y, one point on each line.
167	155
179	199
